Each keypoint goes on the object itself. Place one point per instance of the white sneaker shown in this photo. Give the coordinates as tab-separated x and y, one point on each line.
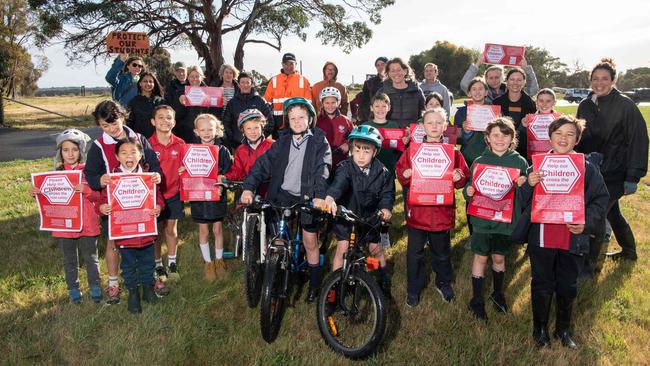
385	240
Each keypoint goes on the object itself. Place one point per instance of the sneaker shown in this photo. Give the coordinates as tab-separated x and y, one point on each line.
220	268
76	296
446	292
412	300
113	293
161	273
385	240
208	272
161	288
312	295
499	302
96	294
478	309
173	273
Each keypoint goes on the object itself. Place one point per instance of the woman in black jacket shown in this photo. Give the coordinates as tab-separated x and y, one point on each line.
187	114
228	76
150	95
406	97
616	129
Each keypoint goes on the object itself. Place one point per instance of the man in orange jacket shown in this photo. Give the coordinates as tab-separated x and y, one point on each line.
287	84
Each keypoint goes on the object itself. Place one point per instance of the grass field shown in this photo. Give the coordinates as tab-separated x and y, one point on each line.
21	116
200	323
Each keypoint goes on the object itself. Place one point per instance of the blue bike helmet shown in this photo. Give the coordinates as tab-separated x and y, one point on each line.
298	100
366	133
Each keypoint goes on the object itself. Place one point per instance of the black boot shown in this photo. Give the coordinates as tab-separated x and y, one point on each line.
563	321
626	240
314	283
384	281
477	304
149	294
541	302
134	301
497	297
593	261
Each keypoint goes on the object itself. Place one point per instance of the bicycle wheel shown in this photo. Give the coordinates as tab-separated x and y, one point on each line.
253	275
273	302
357	333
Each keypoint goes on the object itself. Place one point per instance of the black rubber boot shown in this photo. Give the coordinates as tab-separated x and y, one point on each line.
149	294
314	283
134	306
593	262
626	240
563	321
541	307
497	297
477	304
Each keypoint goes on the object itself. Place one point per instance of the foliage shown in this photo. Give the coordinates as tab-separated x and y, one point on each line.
452	61
158	61
634	78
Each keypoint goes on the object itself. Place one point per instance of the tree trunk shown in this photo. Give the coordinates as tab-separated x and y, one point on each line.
2	108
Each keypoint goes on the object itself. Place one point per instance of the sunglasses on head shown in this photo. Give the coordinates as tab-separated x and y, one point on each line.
137	65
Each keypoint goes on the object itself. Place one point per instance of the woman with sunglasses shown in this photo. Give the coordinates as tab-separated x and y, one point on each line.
124	76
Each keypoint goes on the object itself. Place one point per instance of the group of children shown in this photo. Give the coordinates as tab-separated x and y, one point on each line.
338	163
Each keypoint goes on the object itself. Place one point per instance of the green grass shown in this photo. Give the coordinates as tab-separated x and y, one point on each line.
21	116
200	323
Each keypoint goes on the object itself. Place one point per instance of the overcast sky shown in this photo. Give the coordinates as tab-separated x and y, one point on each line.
569	30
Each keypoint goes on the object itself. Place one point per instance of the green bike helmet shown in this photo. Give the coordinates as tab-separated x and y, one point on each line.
367	133
294	101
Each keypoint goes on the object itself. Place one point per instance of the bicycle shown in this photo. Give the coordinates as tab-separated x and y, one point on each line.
351	309
254	250
235	219
285	255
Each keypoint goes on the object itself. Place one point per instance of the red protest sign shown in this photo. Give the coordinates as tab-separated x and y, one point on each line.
204	96
132	43
500	54
494	196
392	138
559	198
59	208
479	115
450	136
537	132
132	198
198	181
432	165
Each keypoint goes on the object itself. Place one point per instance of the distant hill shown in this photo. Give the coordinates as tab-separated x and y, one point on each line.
72	90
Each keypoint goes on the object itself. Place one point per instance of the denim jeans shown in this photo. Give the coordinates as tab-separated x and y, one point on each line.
138	265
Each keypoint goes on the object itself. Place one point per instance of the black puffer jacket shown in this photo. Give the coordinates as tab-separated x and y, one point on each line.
173	91
406	105
369	90
596	198
616	129
363	193
315	169
141	112
185	120
239	103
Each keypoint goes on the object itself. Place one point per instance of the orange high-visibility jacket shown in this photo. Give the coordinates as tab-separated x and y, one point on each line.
282	87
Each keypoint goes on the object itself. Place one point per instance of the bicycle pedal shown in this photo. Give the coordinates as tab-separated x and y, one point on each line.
228	255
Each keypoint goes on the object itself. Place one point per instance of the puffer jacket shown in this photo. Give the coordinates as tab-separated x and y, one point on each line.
141	112
406	105
239	103
185	120
360	192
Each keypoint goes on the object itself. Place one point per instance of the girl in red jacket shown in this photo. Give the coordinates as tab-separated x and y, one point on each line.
336	126
70	155
430	224
137	254
251	123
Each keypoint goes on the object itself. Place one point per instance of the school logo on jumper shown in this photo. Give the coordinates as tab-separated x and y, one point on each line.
431	161
199	161
494	183
57	189
539	125
131	192
495	54
560	174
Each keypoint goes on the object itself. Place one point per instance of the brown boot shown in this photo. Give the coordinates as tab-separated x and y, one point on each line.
208	272
220	268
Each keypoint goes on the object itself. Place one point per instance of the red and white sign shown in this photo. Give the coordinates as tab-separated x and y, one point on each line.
500	54
198	181
479	115
559	198
432	166
494	196
204	96
392	138
450	136
132	198
60	209
537	132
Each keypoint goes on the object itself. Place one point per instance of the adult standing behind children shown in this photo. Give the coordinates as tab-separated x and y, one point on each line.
187	114
123	77
176	87
406	97
494	78
431	84
330	72
370	88
246	99
228	81
150	95
616	129
287	84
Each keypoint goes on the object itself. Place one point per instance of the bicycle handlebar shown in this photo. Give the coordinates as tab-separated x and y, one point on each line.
350	216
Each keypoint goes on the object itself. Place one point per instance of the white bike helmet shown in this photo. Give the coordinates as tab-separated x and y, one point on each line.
330	91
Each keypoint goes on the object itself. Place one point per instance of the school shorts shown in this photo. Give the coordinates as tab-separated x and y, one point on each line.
174	209
485	244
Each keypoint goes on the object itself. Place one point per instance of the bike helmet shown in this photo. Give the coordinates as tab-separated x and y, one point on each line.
249	114
367	133
329	91
295	101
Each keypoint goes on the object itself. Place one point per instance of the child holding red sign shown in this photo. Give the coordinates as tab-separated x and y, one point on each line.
137	263
430	224
491	237
556	251
70	155
168	148
539	122
209	131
